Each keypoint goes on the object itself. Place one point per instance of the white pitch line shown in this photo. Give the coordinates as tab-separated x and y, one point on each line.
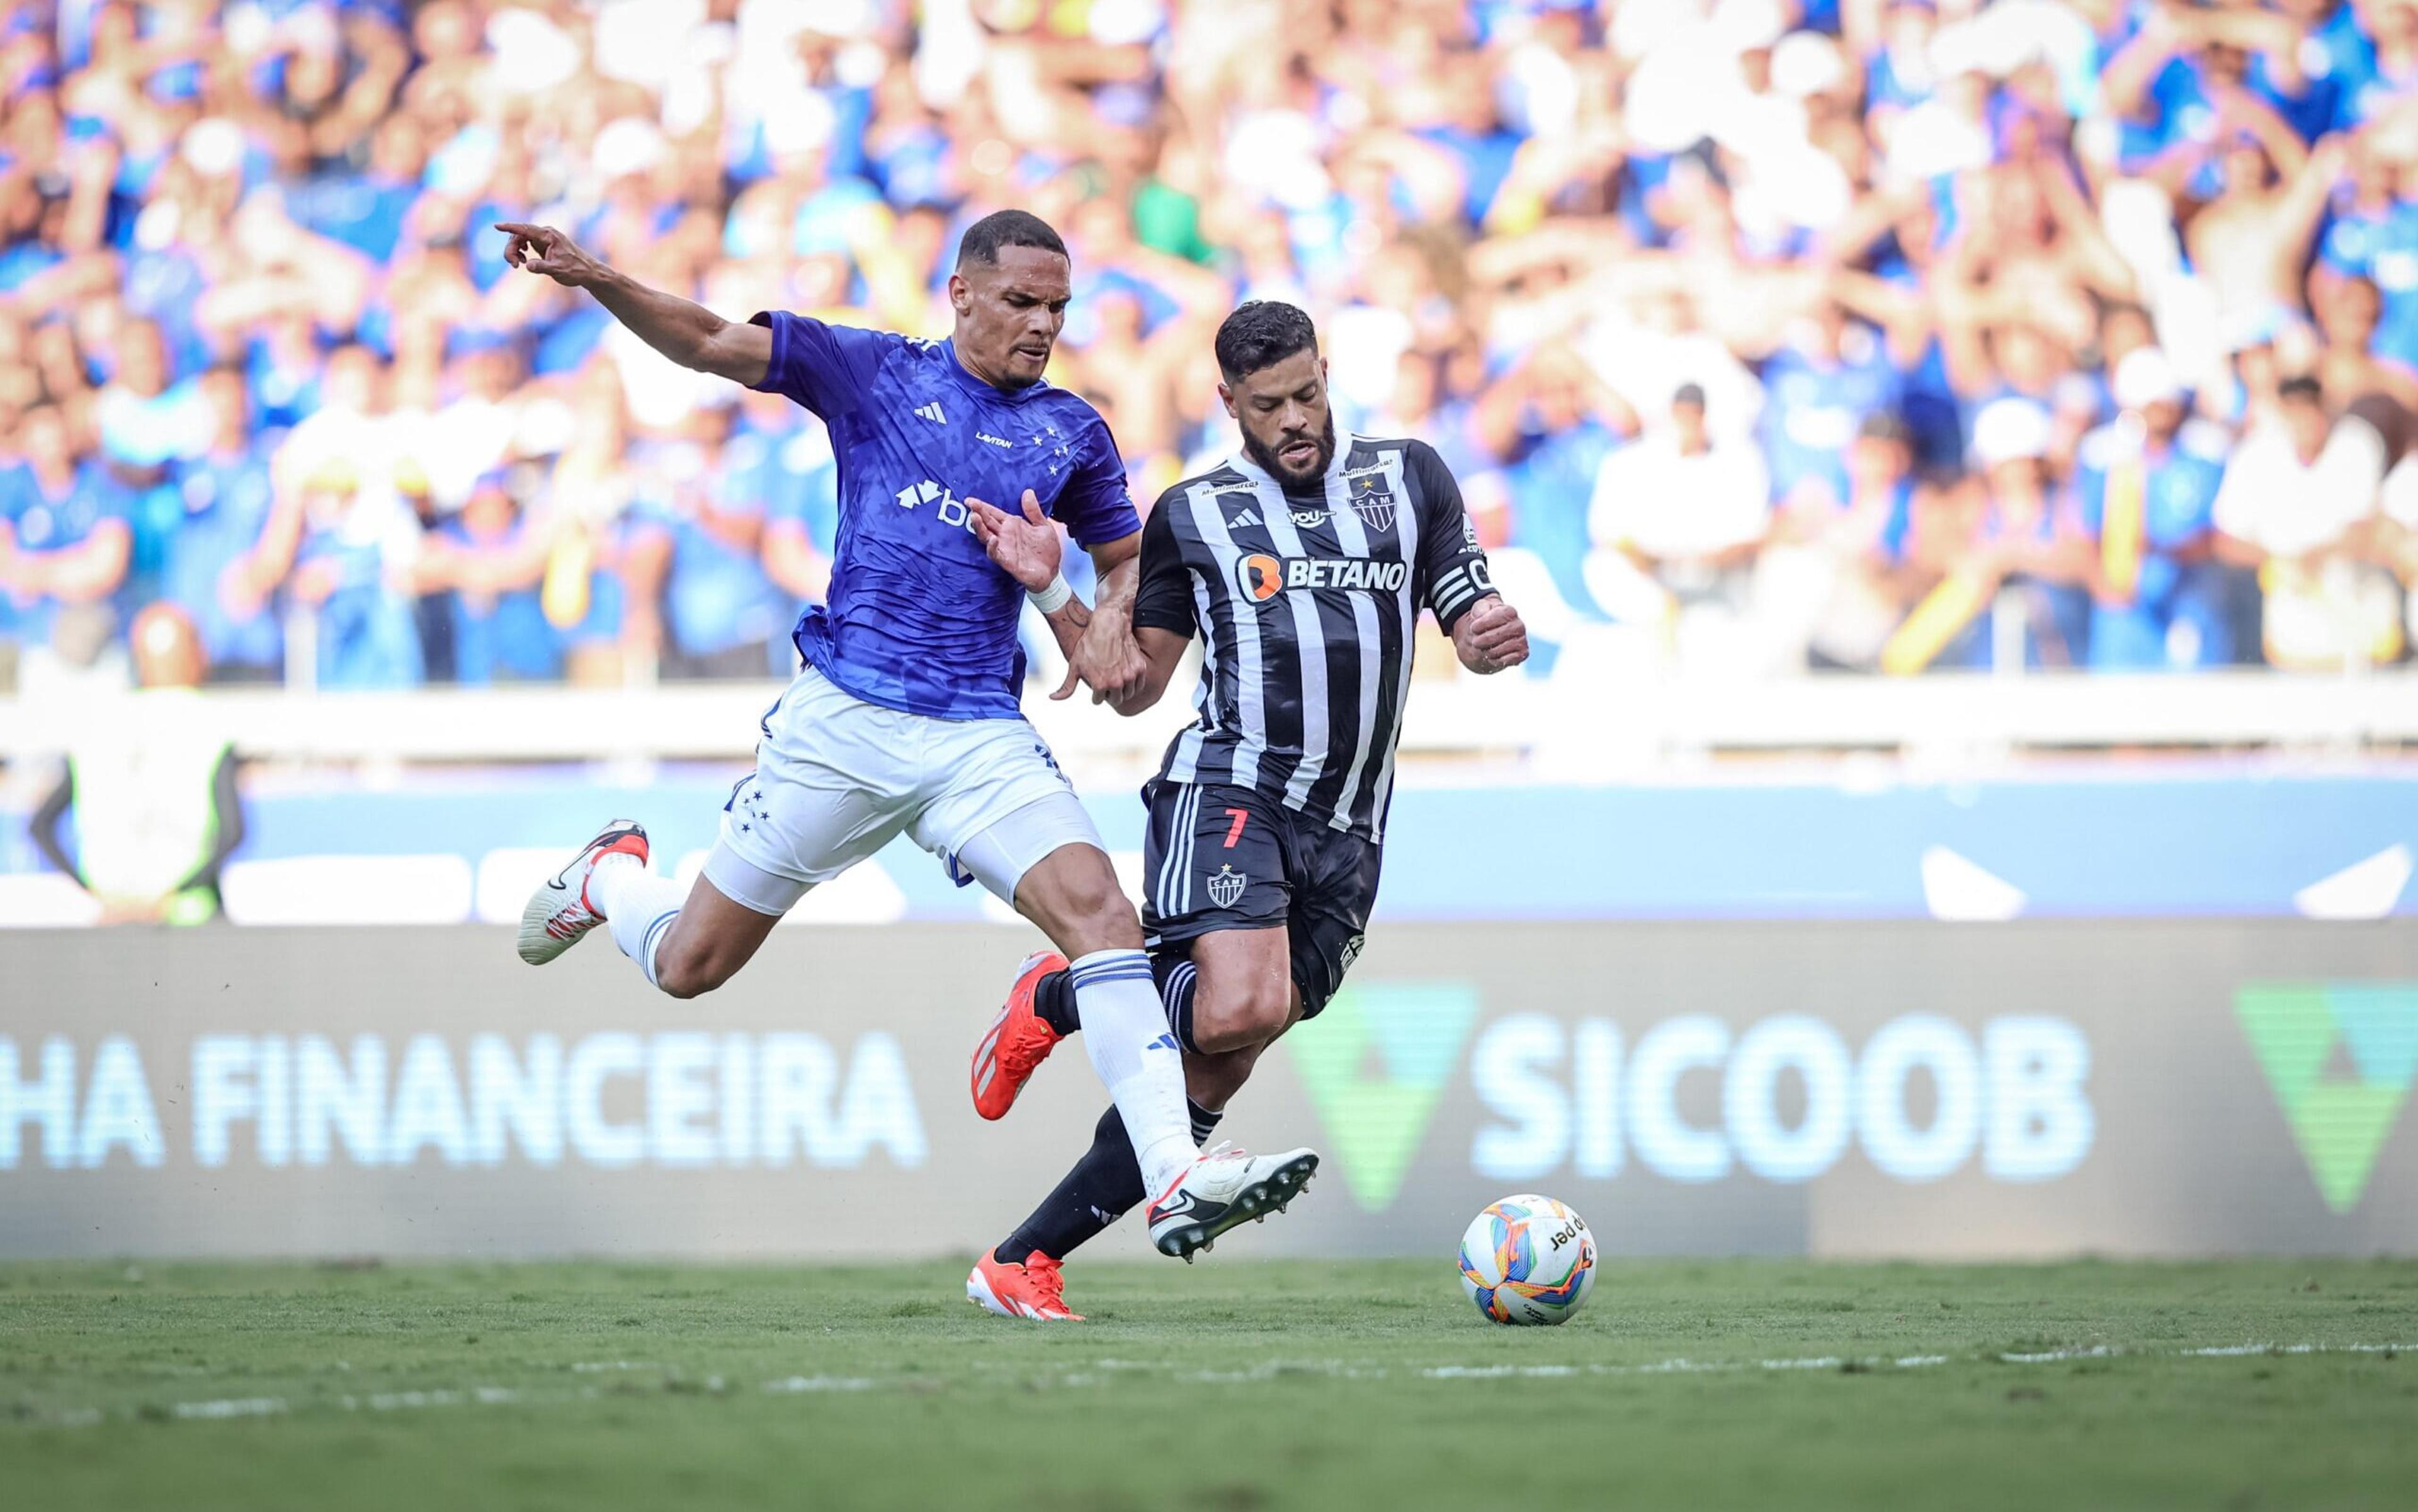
233	1407
797	1383
227	1409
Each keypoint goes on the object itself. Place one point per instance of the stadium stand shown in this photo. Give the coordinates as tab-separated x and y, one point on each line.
1875	335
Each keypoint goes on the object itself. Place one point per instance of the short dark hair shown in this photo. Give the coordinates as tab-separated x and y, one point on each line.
2304	387
1260	334
1007	228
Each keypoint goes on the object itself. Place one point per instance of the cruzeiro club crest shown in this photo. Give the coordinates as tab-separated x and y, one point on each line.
1226	888
1375	1065
1371	500
2341	1057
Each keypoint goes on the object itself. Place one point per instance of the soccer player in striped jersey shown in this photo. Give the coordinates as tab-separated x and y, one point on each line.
905	717
1304	565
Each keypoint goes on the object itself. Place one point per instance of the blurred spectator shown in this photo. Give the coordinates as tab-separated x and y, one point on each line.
2147	484
214	568
64	540
1552	424
788	454
343	475
2296	497
488	561
2009	557
1858	228
695	550
1833	578
1818	390
148	421
1676	519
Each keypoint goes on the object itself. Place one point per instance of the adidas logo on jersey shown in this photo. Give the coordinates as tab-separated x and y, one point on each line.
1246	517
932	412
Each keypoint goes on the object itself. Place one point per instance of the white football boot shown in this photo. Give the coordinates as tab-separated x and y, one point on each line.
559	913
1224	1187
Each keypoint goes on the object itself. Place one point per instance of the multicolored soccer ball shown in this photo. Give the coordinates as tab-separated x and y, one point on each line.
1527	1259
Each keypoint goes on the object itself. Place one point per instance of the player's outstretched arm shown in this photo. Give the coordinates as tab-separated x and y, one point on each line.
1491	637
681	330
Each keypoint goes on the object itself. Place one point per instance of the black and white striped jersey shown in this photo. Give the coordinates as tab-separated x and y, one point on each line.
1307	598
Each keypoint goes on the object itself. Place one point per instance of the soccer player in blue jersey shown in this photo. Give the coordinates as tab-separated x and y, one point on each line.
905	717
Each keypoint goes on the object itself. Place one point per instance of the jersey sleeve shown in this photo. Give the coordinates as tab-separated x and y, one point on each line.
1164	599
825	368
1451	562
1097	506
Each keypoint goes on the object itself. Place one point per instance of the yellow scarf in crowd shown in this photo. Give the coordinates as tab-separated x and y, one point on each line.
2123	524
1947	609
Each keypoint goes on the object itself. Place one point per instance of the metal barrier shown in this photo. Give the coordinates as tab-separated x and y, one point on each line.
1568	726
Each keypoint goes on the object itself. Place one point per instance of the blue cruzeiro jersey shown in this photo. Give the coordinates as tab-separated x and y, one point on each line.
918	617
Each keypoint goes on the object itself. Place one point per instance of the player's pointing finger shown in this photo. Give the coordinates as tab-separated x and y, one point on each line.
1033	507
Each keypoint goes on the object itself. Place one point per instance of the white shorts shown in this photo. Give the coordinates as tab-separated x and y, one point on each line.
836	778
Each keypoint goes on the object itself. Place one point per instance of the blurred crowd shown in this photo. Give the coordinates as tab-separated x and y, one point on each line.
1762	335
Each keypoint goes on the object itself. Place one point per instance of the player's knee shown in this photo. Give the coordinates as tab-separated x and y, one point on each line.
1081	906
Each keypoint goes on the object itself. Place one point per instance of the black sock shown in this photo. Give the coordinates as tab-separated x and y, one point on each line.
1176	980
1095	1194
1053	1003
1103	1186
1053	999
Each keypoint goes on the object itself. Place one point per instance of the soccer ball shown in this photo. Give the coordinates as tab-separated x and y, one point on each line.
1527	1259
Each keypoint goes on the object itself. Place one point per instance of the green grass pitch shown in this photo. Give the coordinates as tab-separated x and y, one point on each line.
1230	1384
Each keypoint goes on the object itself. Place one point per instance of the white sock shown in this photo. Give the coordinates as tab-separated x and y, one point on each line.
1125	1034
638	907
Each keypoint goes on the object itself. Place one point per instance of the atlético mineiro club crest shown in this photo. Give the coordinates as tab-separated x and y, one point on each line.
1372	501
1226	888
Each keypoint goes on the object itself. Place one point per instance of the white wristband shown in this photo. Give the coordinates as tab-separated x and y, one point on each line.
1053	598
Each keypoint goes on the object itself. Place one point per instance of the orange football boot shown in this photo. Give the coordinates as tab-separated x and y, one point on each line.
1035	1289
1018	1040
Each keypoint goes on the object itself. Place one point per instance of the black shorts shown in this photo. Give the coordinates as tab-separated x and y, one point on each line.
1219	857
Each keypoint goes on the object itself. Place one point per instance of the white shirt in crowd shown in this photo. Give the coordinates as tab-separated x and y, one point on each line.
2284	507
1672	506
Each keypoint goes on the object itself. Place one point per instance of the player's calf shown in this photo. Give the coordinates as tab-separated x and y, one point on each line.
713	937
693	962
